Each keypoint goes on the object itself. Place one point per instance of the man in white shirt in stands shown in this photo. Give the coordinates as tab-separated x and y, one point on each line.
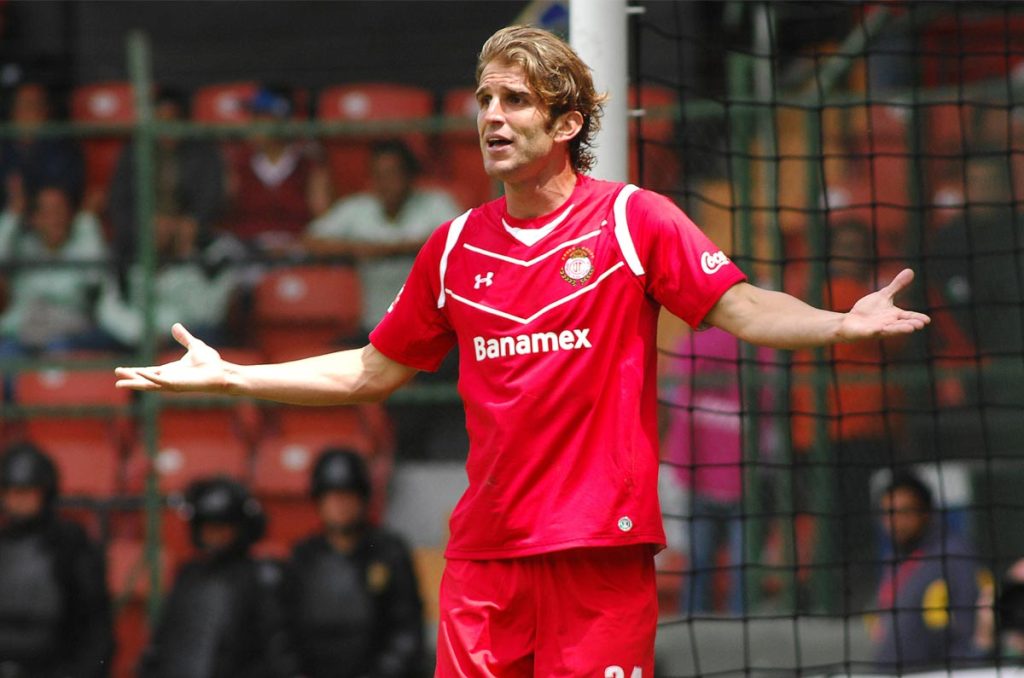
382	228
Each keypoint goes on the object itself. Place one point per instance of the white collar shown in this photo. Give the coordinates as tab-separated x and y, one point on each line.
532	236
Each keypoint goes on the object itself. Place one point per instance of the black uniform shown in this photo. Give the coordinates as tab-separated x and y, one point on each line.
223	617
359	614
220	620
55	617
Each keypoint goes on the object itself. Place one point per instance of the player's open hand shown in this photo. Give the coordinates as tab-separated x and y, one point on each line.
878	316
200	369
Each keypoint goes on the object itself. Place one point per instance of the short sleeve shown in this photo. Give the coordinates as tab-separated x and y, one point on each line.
684	270
414	331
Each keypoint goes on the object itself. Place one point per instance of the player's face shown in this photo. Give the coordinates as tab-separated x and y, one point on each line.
903	517
515	135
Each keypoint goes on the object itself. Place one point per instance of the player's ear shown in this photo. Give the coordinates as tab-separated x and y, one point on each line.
568	125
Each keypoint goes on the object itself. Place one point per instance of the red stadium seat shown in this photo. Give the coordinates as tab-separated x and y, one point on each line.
108	103
184	456
373	101
86	452
303	309
223	102
283	462
69	387
460	150
86	446
297	435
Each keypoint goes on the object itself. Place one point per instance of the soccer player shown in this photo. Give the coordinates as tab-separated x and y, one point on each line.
552	295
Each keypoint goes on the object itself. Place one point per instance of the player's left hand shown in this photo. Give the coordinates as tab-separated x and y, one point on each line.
877	315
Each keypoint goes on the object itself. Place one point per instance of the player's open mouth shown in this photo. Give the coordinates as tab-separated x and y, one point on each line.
498	142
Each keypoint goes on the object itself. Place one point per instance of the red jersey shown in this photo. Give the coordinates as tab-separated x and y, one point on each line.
556	319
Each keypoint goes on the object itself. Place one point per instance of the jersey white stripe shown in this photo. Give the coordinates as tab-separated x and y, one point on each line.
531	262
552	305
622	230
454	231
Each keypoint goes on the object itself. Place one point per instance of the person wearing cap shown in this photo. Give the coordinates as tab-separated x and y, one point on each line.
276	185
355	604
223	617
55	617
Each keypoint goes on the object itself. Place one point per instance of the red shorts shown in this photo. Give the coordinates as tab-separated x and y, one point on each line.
584	612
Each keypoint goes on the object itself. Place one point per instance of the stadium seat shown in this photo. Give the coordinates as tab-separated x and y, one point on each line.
223	102
106	103
305	309
460	150
89	387
348	156
85	446
185	455
87	454
297	435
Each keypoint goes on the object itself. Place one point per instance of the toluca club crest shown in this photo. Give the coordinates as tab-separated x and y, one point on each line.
577	265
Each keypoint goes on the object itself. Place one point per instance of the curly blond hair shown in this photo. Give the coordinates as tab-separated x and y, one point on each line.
557	75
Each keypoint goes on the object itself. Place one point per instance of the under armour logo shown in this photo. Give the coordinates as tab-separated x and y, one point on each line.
485	280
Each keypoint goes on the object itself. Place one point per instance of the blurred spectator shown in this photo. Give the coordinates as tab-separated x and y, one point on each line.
929	590
999	631
29	162
189	187
276	185
356	607
55	617
704	444
222	618
384	227
53	276
862	424
186	290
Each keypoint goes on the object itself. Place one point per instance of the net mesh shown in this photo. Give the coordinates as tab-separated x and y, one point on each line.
825	147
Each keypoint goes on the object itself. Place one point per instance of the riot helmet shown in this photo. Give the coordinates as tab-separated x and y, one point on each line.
225	501
340	469
24	465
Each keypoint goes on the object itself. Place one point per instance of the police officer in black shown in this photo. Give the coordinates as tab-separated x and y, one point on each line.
355	607
55	618
223	617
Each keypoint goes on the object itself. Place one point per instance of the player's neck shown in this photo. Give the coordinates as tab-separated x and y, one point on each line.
539	195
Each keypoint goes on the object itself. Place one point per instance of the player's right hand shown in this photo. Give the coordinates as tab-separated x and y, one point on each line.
200	369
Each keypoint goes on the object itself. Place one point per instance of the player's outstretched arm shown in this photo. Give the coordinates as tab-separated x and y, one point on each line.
779	320
358	375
